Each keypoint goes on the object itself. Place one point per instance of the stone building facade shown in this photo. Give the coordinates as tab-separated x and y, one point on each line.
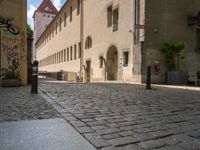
167	21
43	15
93	39
13	38
102	40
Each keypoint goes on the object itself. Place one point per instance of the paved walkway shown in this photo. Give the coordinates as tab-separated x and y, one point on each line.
127	117
17	103
41	128
46	134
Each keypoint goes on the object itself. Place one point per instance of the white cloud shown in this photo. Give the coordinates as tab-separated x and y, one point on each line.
57	4
30	12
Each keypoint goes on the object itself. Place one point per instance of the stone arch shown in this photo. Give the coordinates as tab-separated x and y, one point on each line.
112	63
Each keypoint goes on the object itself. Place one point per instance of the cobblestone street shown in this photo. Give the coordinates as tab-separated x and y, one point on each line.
17	103
127	117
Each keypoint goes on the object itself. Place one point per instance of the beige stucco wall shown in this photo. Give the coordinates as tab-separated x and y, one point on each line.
95	25
68	36
169	23
16	10
42	20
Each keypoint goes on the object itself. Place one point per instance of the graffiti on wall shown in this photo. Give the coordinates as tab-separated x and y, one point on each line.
6	24
23	55
10	48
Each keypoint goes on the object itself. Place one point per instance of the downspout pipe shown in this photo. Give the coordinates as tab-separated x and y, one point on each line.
82	40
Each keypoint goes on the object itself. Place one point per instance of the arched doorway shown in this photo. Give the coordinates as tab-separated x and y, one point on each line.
112	63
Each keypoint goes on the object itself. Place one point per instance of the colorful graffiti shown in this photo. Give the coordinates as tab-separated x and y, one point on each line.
10	51
5	24
23	55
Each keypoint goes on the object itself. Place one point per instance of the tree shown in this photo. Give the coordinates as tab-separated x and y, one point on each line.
29	32
172	51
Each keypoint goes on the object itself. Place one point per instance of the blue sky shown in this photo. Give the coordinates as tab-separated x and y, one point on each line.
33	4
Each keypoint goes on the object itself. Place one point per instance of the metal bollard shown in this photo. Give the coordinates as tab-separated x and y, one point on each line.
34	84
148	83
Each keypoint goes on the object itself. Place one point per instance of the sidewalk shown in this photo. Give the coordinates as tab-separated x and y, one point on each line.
17	103
29	122
46	134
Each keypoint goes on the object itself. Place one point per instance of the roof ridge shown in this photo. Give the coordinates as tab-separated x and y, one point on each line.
47	6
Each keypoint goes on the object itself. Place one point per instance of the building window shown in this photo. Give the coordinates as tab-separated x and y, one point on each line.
67	54
52	32
79	49
88	43
59	56
71	54
60	23
65	19
64	55
115	19
101	62
75	51
55	58
78	7
125	58
56	27
109	16
70	13
47	37
197	39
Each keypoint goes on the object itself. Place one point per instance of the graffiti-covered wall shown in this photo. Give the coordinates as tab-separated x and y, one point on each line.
13	35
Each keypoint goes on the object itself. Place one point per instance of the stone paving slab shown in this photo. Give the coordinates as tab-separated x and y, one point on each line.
47	134
123	116
17	103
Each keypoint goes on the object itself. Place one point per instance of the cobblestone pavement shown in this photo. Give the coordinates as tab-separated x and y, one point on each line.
18	104
127	117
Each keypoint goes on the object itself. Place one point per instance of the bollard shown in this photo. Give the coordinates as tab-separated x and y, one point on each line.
34	84
148	83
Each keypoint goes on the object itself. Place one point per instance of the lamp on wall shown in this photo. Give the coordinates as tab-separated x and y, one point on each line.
194	20
157	66
1	1
84	67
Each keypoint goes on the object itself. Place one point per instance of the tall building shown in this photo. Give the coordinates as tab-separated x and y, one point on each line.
13	40
92	39
168	21
117	40
43	15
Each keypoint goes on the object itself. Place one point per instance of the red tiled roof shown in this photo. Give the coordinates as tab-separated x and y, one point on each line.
44	5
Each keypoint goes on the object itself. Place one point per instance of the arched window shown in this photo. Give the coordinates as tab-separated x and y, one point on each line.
88	43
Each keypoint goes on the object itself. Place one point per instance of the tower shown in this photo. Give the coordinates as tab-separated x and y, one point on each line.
43	16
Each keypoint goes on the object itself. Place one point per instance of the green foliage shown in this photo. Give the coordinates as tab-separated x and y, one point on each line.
11	73
29	32
172	51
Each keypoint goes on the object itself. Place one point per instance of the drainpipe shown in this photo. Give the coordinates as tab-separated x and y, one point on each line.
133	31
136	41
0	56
82	40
